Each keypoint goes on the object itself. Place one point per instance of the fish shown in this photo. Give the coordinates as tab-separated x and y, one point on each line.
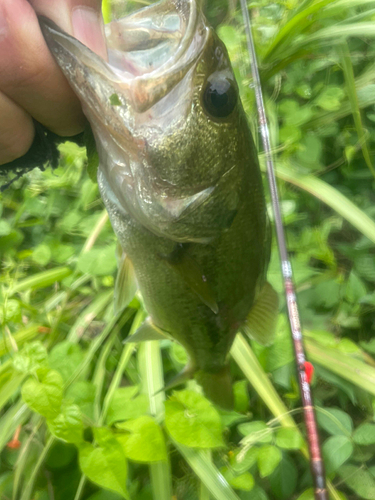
179	176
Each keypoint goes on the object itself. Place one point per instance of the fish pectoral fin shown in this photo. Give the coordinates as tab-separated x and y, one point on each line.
260	324
148	331
192	275
126	284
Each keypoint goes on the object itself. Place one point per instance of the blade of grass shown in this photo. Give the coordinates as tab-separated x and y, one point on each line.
249	364
41	280
126	354
331	197
347	67
26	494
10	387
21	463
22	336
116	323
354	370
90	242
339	31
100	373
204	493
88	314
208	473
17	414
106	10
151	369
81	487
298	23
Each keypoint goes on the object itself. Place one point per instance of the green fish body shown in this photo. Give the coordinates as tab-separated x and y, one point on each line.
178	175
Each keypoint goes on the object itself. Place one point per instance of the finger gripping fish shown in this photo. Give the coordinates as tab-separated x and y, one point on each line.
180	179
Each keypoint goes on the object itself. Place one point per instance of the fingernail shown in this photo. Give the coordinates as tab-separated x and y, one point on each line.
89	29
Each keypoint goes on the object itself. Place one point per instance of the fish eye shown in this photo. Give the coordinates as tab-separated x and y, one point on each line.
220	97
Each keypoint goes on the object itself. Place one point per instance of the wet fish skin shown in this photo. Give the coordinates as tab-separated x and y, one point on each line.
183	190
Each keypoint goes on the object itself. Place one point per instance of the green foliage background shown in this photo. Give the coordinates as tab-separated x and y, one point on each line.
83	416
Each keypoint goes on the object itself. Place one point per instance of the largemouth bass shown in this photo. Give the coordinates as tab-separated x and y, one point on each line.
180	179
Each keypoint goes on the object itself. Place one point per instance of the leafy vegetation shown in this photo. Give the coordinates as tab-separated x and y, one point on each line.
84	416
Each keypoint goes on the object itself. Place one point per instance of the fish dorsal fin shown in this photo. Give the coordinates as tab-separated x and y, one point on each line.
192	275
260	324
148	331
126	284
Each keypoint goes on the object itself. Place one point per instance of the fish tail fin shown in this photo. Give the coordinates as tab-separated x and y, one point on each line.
217	386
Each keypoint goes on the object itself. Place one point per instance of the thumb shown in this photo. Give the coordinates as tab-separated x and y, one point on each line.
80	18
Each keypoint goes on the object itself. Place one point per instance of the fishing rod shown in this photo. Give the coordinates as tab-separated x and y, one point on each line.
316	460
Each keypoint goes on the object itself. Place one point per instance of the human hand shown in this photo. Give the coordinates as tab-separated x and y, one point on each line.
31	83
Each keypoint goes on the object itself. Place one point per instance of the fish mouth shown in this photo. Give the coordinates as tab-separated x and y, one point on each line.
143	84
148	52
152	50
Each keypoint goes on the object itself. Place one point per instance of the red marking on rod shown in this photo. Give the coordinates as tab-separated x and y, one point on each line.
309	370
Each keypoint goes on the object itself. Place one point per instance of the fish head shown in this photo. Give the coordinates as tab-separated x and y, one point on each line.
165	112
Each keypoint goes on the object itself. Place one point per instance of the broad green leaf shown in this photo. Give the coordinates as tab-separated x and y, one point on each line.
82	393
104	495
293	113
143	440
192	420
241	396
10	311
307	495
359	480
60	455
31	357
310	151
283	481
365	266
335	421
257	493
44	395
230	418
364	434
330	98
336	451
5	228
243	482
126	405
42	254
242	461
269	458
65	357
179	354
257	432
68	425
289	438
98	261
105	464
